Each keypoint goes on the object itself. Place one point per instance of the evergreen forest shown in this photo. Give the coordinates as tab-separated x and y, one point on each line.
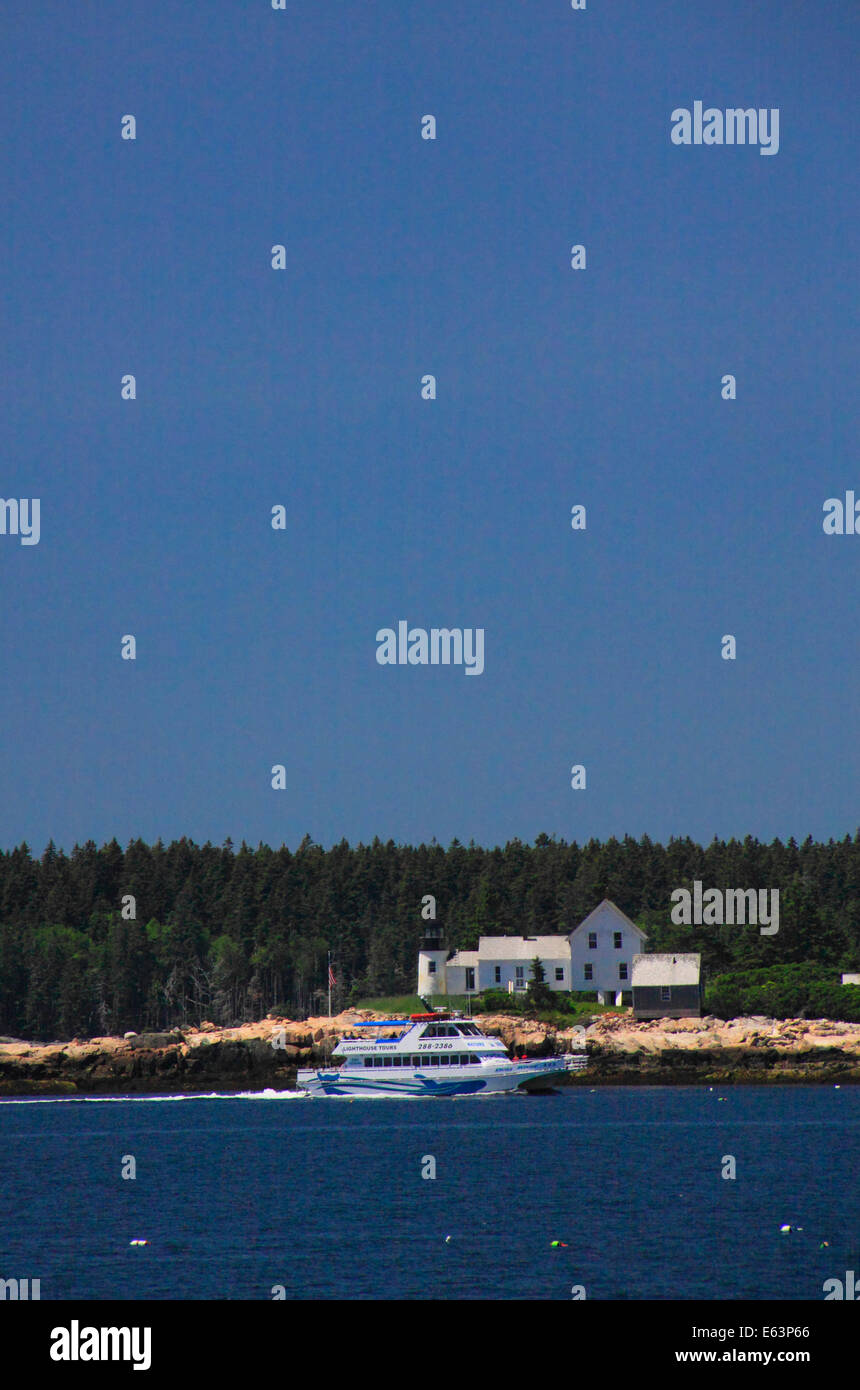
231	934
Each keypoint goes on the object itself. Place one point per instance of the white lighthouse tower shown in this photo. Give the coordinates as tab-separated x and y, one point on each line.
431	964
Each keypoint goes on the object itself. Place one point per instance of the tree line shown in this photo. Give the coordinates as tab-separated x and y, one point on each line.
231	935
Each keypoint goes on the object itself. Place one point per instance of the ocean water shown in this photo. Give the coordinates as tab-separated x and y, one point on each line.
325	1197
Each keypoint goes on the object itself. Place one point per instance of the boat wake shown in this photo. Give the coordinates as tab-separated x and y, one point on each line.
153	1100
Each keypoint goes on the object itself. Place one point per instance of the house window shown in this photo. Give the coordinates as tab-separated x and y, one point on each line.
589	972
431	967
520	972
498	973
665	994
592	941
470	977
559	972
622	970
617	937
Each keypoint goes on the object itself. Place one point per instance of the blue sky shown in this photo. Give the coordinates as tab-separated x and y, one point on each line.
555	387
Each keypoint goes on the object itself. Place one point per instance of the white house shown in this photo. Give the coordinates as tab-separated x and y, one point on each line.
596	956
602	950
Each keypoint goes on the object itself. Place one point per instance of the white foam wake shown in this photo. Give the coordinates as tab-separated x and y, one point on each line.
153	1100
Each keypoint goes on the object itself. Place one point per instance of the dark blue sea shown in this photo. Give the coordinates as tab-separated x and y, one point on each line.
236	1196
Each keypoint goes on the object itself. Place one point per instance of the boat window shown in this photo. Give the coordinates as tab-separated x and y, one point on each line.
431	1031
368	1061
396	1061
434	1061
416	1061
386	1061
377	1061
444	1060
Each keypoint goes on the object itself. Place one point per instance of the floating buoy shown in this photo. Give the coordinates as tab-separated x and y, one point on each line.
825	1245
138	1242
562	1243
447	1238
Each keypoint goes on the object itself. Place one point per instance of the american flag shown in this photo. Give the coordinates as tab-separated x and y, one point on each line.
331	977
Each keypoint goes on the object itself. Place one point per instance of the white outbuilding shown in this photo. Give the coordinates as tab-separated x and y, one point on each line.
667	986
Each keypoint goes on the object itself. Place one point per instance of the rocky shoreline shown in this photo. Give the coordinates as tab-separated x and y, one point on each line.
257	1056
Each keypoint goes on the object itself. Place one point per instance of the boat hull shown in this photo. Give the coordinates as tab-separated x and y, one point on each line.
486	1079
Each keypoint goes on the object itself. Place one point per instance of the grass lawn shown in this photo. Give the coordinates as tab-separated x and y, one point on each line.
402	1005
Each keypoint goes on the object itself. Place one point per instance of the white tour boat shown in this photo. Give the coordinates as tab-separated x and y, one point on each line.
430	1055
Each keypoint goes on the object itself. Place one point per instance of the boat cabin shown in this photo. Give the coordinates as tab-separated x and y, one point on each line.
423	1040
